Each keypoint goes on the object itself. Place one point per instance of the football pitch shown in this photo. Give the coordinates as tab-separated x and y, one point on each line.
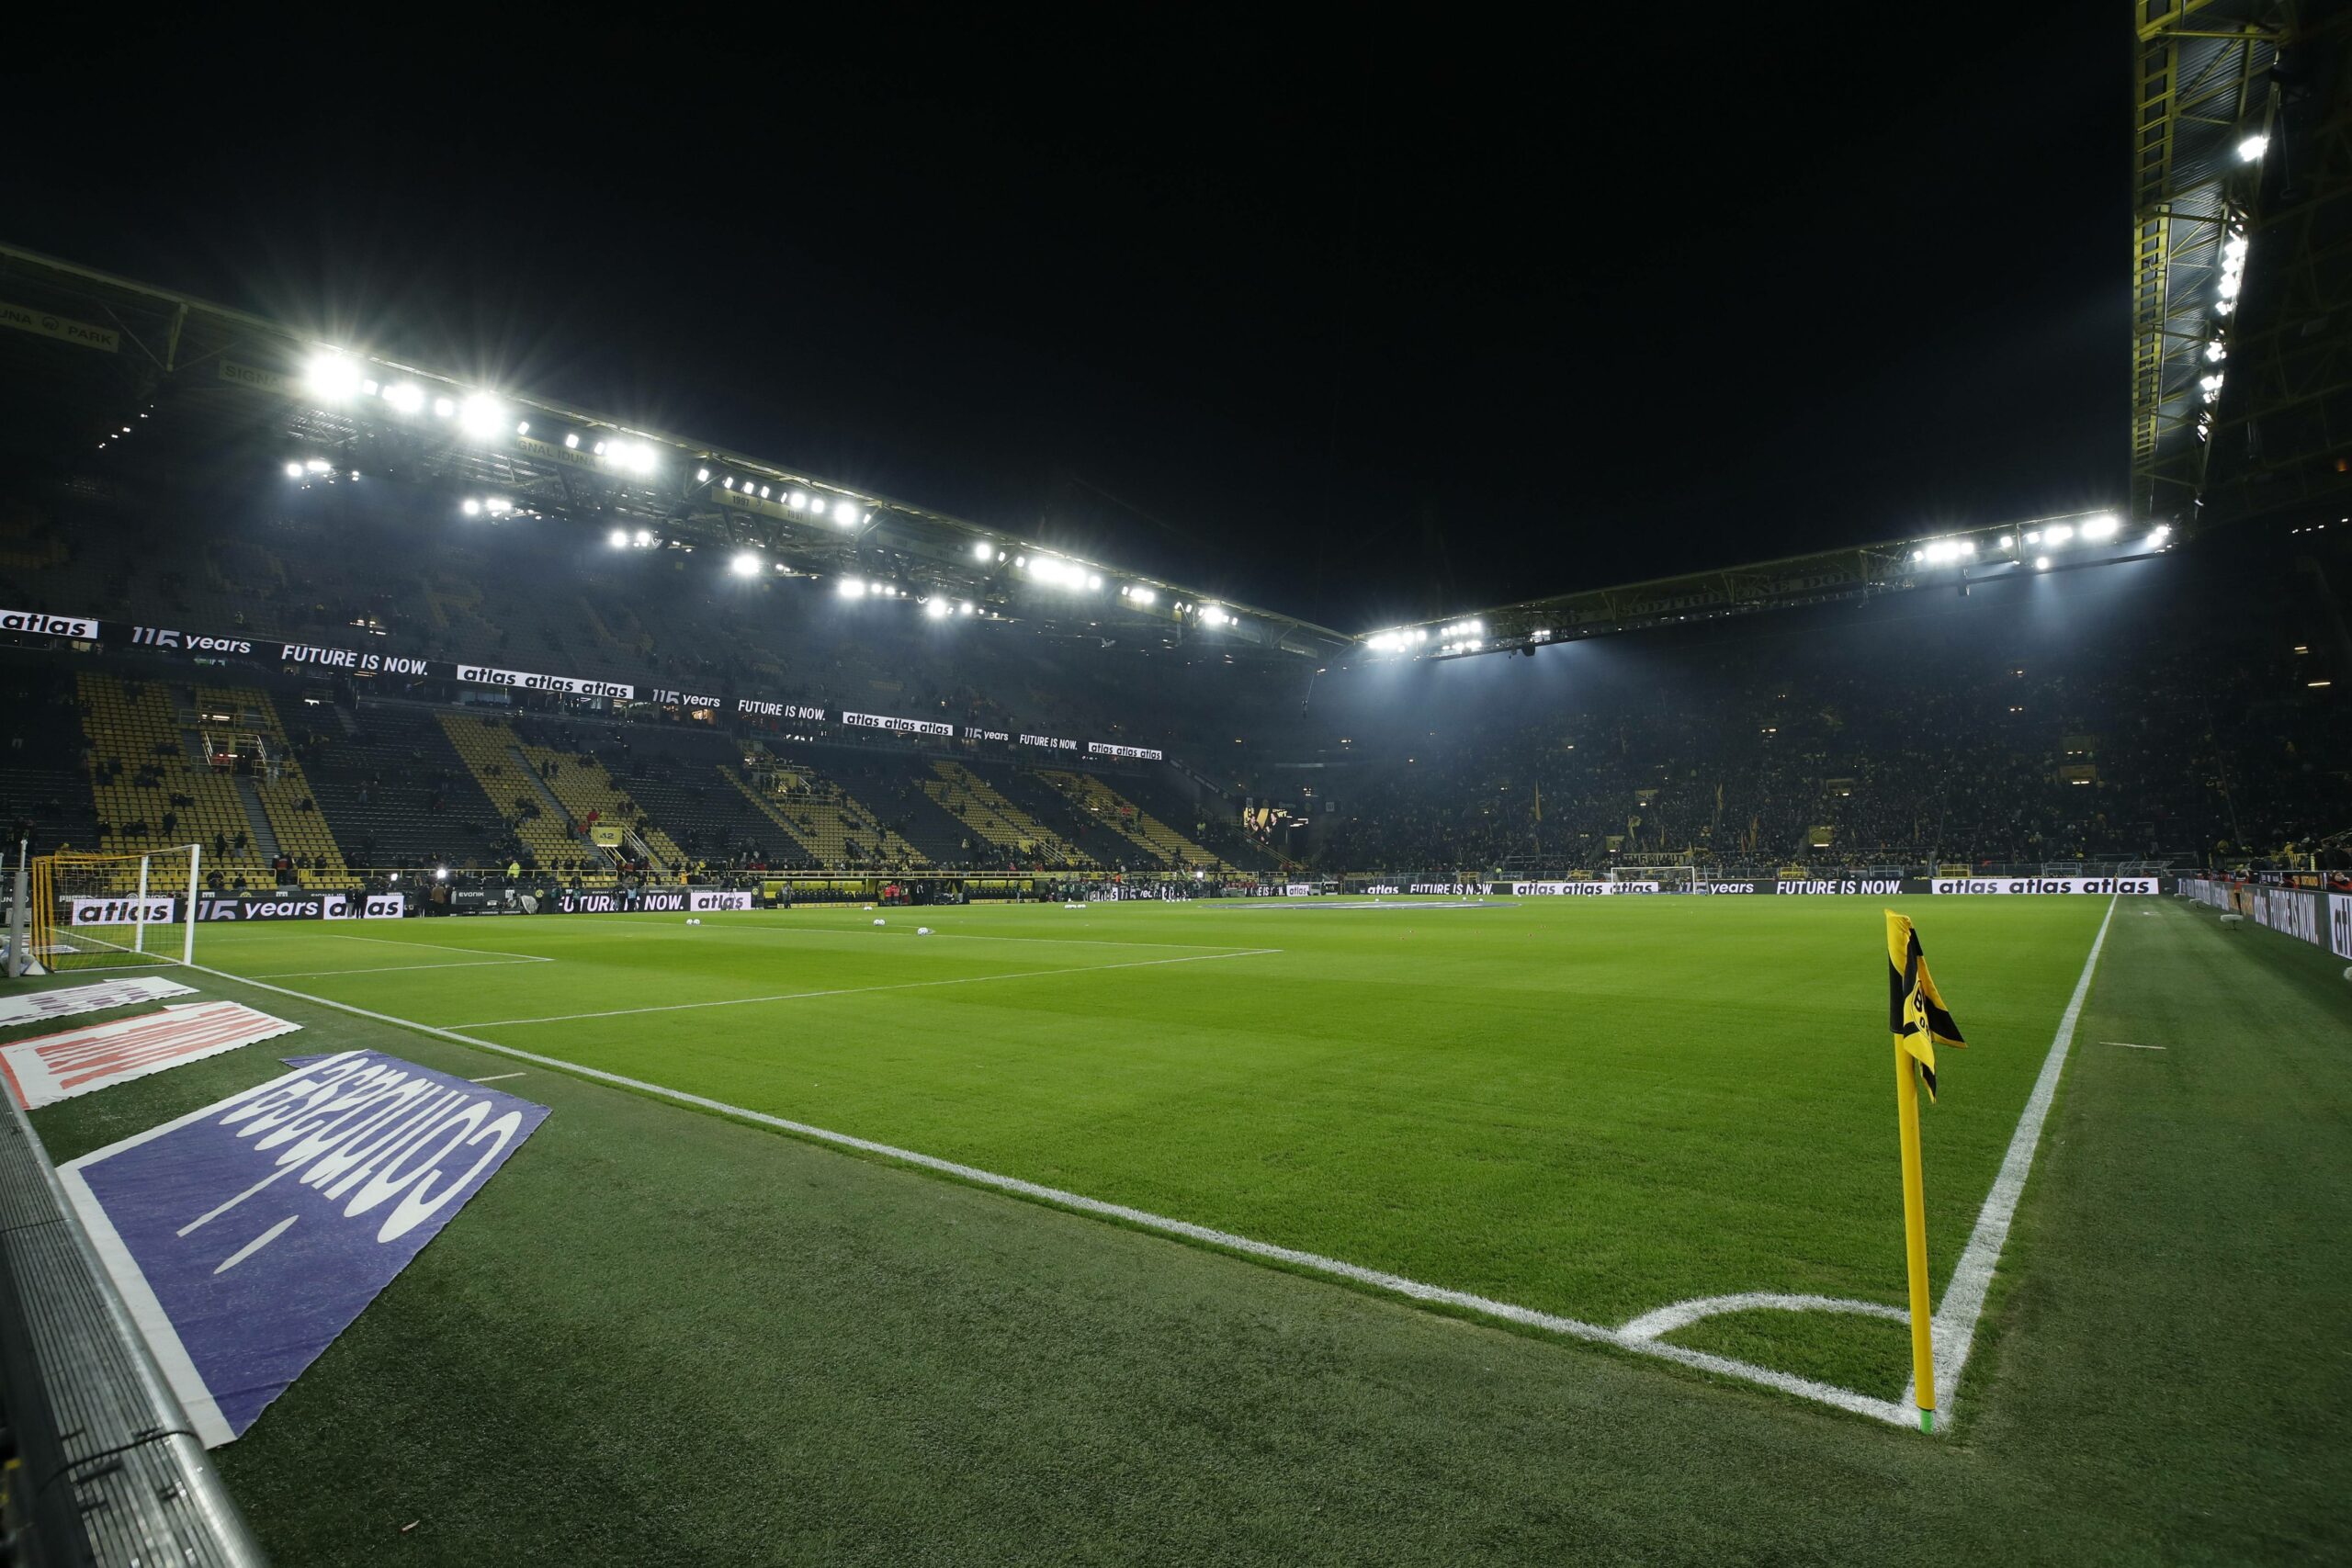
1663	1125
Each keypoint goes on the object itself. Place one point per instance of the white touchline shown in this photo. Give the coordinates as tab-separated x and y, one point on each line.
866	933
1964	1303
398	968
494	1077
861	990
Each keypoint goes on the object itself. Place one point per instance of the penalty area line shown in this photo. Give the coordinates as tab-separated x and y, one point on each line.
1893	1412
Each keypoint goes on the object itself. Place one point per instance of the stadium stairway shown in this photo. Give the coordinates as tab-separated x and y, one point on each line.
490	753
395	789
708	816
1159	793
136	737
828	821
289	818
990	816
583	788
1048	805
1114	811
891	787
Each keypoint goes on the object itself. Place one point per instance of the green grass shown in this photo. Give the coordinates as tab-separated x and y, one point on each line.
660	1335
1588	1111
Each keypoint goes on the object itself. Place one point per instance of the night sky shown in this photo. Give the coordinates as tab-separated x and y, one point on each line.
1359	331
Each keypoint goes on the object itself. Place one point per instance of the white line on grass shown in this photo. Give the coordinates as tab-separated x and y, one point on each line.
1964	1303
495	1077
860	991
2129	1046
867	932
1413	1290
398	968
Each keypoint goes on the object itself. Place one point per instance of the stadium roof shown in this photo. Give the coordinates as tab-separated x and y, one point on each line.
229	375
230	380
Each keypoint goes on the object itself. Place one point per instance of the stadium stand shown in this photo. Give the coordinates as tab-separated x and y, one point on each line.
45	788
996	821
551	839
1108	806
836	828
153	789
400	796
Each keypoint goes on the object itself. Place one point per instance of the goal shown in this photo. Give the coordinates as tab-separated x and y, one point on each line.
110	911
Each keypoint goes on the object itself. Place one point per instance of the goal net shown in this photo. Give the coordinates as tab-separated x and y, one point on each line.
98	911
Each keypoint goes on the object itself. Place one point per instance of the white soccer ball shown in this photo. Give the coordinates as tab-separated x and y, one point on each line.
877	920
2347	971
923	930
694	921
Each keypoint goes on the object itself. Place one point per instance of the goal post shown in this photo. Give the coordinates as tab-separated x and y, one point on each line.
94	911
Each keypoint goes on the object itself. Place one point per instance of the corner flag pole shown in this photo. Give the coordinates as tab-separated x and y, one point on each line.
1914	1236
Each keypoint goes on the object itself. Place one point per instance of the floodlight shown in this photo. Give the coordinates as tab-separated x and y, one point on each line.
2102	527
1093	579
618	538
851	588
2034	536
966	606
440	873
846	513
316	465
444	406
763	492
2060	534
523	427
572	440
407	397
2041	563
1142	595
729	482
2251	150
331	376
702	475
293	470
799	501
745	564
644	536
499	505
482	416
982	550
937	609
472	508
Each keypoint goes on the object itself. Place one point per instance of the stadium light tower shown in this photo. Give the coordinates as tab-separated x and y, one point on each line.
745	564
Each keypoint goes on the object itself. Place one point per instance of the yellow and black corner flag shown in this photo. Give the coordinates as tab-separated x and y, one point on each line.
1915	1009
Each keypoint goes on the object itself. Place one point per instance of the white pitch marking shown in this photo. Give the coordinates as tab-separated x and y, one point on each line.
494	1077
860	991
1893	1412
866	933
398	968
1682	1314
1954	1329
2129	1046
437	946
272	1233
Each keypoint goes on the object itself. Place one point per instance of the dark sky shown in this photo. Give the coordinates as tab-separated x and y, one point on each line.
1355	331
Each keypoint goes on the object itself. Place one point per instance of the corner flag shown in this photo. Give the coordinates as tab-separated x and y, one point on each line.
1915	1008
1916	1013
